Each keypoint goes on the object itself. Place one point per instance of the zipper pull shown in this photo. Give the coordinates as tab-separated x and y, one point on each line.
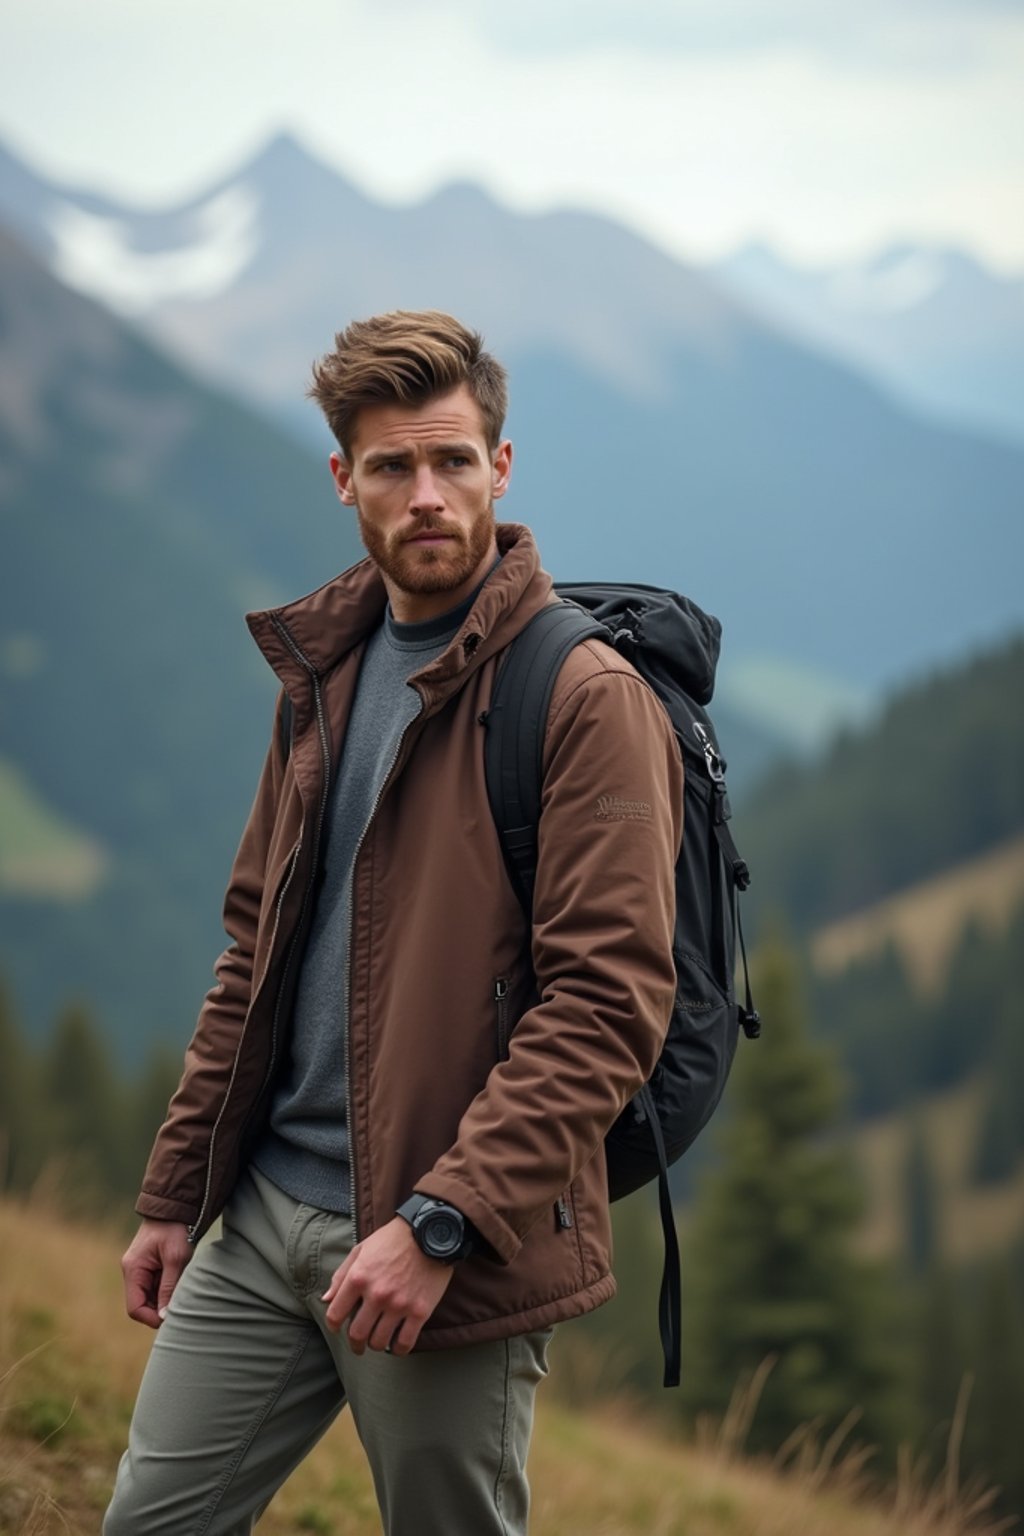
563	1215
501	1015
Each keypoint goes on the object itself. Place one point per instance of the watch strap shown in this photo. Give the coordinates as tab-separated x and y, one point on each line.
411	1207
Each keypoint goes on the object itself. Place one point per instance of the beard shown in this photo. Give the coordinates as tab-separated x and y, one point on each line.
437	568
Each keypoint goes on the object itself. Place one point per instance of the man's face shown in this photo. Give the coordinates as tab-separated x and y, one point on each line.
423	483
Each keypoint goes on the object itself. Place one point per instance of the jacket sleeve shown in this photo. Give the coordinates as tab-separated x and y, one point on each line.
175	1178
603	924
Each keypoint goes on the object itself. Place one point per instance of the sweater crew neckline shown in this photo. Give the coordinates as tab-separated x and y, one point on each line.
427	632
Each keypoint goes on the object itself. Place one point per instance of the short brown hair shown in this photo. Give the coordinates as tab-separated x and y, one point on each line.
407	356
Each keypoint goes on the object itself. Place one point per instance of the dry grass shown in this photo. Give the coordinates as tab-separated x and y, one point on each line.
70	1363
612	1473
925	921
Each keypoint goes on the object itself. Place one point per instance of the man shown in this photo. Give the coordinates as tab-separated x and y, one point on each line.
396	1091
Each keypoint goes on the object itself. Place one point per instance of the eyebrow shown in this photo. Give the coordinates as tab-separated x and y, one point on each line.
440	450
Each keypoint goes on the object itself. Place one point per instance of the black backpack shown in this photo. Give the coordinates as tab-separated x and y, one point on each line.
674	647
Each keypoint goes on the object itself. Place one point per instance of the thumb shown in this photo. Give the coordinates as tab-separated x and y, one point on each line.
169	1277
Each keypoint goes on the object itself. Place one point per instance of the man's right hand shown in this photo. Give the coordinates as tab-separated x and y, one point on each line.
152	1267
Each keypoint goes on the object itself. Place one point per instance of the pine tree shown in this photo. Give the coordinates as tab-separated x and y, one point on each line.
1000	1136
997	1409
620	1343
857	1008
921	1201
943	1354
152	1095
963	1018
771	1268
86	1104
22	1134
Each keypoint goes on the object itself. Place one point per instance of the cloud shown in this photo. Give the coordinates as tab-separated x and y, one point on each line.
698	147
913	36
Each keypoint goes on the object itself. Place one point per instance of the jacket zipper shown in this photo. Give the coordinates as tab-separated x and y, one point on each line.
501	1012
385	782
563	1215
194	1230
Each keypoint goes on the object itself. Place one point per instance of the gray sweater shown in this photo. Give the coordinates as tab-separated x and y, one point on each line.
305	1149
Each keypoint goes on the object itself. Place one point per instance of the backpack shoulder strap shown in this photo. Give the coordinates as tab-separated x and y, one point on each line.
516	721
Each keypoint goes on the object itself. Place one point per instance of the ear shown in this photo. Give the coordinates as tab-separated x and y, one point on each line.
341	473
501	469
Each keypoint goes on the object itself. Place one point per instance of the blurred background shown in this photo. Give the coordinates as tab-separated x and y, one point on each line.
757	270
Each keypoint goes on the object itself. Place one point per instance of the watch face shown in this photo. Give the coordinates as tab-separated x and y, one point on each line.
442	1233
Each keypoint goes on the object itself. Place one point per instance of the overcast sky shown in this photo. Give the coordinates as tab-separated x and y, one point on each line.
826	128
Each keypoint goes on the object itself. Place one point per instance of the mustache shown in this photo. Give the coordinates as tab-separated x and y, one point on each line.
432	525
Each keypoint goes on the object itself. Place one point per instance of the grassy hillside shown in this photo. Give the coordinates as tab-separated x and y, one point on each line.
925	922
70	1363
972	1220
41	854
937	780
950	949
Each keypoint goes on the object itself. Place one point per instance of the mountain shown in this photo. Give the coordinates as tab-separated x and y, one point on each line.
932	325
140	515
664	432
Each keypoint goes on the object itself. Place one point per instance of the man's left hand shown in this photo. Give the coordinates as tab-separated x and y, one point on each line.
386	1289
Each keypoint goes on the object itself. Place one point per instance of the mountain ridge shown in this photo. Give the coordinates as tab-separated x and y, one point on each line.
661	426
140	516
933	324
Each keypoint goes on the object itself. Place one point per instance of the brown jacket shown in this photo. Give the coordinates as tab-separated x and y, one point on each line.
468	1079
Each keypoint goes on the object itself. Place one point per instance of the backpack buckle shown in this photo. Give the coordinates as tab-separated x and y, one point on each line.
712	757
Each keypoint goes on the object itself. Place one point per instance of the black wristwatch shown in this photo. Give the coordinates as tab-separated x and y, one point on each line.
441	1231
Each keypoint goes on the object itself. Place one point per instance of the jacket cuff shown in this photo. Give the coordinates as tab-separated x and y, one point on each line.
158	1208
496	1233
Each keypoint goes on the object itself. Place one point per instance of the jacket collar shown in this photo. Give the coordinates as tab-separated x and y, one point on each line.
314	633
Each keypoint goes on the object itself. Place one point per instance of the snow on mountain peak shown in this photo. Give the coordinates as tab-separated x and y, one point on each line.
901	283
98	256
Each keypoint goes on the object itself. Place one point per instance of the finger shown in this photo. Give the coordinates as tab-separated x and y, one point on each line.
384	1330
337	1279
343	1304
404	1341
147	1315
174	1268
361	1325
346	1303
138	1297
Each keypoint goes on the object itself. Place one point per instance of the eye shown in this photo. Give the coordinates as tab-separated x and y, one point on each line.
457	460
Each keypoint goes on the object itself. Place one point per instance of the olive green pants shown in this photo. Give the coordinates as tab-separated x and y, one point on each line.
244	1378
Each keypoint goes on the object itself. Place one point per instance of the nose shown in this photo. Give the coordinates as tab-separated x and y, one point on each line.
426	495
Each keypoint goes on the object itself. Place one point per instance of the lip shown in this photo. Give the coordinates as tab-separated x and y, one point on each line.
430	538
